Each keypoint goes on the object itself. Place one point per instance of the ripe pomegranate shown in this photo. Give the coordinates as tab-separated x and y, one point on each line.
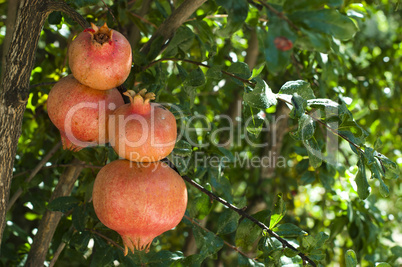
283	43
139	201
81	113
142	131
100	57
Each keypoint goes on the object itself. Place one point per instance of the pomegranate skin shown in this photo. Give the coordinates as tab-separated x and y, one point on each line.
81	113
142	131
102	64
139	201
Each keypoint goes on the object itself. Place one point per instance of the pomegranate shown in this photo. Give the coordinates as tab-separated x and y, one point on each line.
283	43
100	58
142	131
139	201
81	113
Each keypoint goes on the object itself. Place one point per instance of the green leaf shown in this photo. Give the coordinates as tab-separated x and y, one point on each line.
311	4
391	168
102	256
326	180
310	243
314	152
305	129
378	143
276	59
261	97
331	111
241	70
227	222
207	243
80	241
307	178
314	41
155	48
276	2
55	17
183	149
278	212
363	187
247	262
290	253
237	13
350	258
201	206
302	88
299	106
83	3
63	204
328	21
254	119
196	78
139	58
248	232
257	70
79	218
289	230
382	264
215	73
183	40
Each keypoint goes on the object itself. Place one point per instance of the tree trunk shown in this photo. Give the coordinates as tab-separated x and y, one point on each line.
14	90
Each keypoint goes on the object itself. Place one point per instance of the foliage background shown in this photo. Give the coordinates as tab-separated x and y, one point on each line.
353	59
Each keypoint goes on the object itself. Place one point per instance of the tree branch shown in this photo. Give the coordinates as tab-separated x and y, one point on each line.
201	65
168	28
72	13
242	213
226	243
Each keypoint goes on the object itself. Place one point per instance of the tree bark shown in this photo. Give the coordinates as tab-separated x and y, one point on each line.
50	220
14	90
12	8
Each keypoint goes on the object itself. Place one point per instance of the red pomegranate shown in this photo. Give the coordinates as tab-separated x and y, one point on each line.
81	113
283	43
139	201
100	57
142	131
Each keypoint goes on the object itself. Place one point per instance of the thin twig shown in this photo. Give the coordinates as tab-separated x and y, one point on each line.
144	20
226	243
279	14
38	167
242	213
199	64
106	238
114	18
60	165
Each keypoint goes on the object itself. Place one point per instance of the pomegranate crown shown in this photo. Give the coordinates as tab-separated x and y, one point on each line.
100	35
140	101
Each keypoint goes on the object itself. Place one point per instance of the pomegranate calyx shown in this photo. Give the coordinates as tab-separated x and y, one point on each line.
101	35
134	243
140	102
